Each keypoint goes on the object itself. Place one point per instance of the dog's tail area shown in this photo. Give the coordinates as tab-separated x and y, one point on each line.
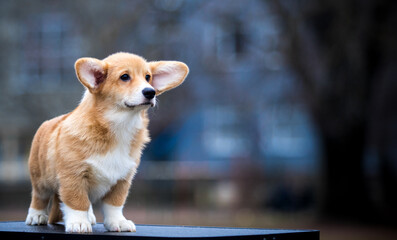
55	212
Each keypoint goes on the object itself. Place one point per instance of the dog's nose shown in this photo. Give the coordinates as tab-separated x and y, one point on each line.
148	93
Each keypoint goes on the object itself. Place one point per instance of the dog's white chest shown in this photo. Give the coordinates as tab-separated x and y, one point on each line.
110	168
116	164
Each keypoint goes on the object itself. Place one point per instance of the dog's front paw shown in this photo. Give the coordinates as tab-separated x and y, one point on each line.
82	226
76	221
115	220
36	217
120	225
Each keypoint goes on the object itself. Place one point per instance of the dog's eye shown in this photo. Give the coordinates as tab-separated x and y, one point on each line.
147	77
125	77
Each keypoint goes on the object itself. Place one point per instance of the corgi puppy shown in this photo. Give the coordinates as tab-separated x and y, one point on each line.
93	152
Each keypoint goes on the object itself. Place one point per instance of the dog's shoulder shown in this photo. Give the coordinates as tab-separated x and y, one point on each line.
51	124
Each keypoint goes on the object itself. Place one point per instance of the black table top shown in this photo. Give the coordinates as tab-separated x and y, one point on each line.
18	230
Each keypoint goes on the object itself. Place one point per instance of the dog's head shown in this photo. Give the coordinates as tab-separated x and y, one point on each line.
129	81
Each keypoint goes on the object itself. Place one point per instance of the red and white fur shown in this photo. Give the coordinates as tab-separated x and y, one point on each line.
92	153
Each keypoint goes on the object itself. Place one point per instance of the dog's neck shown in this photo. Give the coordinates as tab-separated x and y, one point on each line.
122	122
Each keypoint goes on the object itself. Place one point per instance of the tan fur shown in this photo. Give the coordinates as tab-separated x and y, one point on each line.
118	193
61	145
55	213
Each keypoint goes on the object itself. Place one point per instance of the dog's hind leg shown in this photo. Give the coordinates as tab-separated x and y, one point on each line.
37	214
55	212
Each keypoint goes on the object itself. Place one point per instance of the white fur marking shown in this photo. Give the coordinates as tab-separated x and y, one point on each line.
136	96
75	220
115	221
36	217
116	164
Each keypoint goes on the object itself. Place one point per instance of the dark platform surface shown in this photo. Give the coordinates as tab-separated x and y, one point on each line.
18	230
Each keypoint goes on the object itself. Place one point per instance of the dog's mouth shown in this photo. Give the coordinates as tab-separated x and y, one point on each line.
137	105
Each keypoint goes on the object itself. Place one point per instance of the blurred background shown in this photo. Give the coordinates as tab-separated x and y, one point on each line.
287	119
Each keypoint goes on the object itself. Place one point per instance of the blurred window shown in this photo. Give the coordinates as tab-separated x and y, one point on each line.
49	48
231	41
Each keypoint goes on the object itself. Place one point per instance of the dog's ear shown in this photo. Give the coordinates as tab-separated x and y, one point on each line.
91	72
167	75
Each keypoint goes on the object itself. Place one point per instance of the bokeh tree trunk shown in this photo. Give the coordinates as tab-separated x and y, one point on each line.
344	188
338	50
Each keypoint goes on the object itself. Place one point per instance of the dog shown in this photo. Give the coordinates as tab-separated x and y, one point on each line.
92	153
